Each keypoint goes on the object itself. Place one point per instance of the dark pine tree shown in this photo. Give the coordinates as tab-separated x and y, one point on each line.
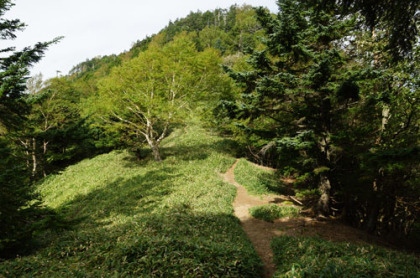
18	209
288	100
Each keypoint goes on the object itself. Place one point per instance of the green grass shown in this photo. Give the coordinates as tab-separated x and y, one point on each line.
258	181
144	219
312	257
271	212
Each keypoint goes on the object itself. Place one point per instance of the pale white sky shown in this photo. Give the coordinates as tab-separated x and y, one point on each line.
99	27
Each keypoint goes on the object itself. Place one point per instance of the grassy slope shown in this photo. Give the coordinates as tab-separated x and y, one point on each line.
145	219
257	181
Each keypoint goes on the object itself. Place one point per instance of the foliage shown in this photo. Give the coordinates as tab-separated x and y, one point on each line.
272	212
14	71
19	208
312	257
98	66
399	18
145	219
154	90
322	100
228	30
378	167
15	232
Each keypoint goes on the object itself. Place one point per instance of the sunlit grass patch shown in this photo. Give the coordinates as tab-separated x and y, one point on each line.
272	212
312	257
257	181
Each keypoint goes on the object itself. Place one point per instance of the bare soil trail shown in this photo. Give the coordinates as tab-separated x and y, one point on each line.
261	232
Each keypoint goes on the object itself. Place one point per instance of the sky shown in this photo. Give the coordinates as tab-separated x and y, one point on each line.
99	27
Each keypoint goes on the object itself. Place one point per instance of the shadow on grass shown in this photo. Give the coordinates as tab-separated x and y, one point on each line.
272	183
172	242
199	151
183	243
122	197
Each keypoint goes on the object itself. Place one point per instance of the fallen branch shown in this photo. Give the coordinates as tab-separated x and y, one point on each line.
295	200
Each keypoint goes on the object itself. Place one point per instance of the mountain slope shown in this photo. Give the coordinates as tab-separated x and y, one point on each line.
145	219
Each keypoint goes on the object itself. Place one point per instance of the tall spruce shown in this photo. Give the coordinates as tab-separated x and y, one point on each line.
288	99
18	210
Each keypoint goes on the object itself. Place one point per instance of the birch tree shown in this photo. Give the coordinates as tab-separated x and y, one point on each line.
149	93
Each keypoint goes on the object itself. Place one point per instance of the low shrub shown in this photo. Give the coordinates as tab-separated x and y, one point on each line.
271	212
258	181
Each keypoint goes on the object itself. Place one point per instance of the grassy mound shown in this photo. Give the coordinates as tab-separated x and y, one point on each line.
271	212
144	219
312	257
257	181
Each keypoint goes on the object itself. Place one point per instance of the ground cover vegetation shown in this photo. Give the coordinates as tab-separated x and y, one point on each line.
144	219
325	92
272	212
313	257
257	181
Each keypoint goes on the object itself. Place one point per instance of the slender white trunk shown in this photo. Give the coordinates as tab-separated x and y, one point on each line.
34	160
44	158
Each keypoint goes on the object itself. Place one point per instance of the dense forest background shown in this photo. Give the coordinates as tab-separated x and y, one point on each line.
327	92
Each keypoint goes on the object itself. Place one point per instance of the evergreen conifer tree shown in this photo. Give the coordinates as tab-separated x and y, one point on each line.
18	210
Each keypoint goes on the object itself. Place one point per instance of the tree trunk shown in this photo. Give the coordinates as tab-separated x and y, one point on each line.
372	217
45	144
156	152
323	207
28	155
34	160
154	145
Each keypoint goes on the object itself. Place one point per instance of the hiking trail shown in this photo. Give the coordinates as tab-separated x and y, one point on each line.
261	232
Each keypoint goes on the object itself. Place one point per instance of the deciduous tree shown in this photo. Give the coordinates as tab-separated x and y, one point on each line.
149	93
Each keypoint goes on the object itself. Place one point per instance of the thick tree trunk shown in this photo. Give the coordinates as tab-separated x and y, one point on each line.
372	217
154	142
156	152
154	145
323	206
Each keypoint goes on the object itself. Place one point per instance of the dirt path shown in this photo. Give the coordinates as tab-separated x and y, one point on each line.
260	232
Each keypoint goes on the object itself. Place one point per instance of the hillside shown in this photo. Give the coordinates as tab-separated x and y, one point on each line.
232	143
142	219
173	219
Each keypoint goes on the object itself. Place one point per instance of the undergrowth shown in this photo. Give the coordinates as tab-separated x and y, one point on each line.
144	219
271	212
313	257
258	181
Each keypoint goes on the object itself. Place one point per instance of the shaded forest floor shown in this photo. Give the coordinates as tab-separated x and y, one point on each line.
261	233
180	218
